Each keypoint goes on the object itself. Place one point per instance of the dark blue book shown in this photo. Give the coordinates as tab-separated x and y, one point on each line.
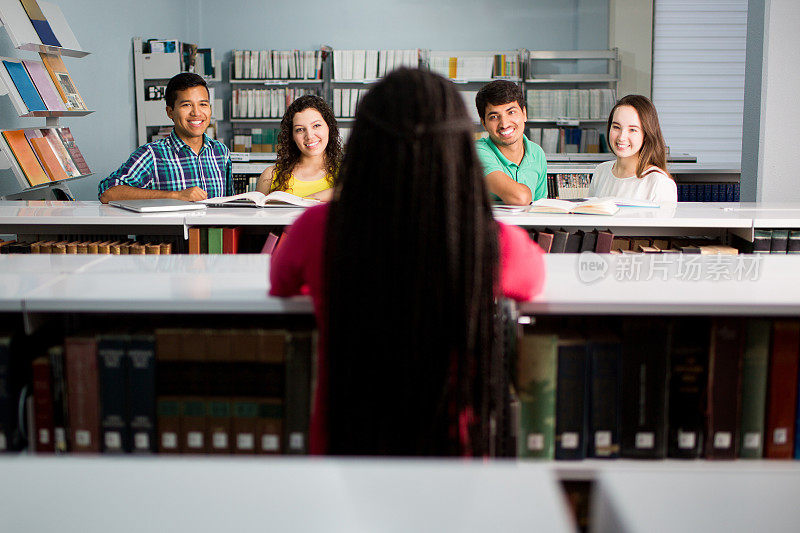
604	395
25	87
112	368
141	387
571	408
45	32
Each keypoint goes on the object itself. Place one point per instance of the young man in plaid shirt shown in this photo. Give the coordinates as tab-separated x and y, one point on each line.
187	165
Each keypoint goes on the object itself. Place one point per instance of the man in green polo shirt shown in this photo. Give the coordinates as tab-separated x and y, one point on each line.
515	168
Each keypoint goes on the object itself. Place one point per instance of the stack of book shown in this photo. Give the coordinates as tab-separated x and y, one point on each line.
277	64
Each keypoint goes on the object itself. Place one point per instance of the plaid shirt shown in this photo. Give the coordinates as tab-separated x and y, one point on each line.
171	165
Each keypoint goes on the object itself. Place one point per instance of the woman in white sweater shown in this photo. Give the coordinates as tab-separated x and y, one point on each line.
639	172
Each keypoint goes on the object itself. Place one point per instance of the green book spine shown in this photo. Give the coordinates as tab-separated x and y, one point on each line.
754	389
537	366
215	240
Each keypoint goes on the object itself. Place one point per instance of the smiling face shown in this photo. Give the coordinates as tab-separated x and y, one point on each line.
310	132
505	123
625	135
191	114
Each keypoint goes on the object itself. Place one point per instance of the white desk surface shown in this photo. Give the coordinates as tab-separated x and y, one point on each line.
206	494
747	285
689	215
697	498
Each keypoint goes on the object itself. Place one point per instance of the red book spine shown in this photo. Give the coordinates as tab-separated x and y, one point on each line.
782	390
43	406
83	395
230	240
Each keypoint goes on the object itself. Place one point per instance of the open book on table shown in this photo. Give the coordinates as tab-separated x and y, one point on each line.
590	206
259	199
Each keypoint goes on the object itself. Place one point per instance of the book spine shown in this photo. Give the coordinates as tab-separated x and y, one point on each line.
723	412
80	361
782	390
687	388
536	385
755	363
299	355
113	370
7	415
269	429
42	405
169	424
59	388
141	389
571	413
645	372
193	425
244	425
219	429
604	433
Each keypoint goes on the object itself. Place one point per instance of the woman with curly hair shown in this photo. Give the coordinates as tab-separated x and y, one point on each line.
309	151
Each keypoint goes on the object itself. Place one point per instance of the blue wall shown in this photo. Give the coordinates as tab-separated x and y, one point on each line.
106	27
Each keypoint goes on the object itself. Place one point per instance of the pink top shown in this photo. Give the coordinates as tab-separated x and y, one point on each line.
296	268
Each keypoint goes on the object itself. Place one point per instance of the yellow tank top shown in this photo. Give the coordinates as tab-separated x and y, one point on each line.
306	188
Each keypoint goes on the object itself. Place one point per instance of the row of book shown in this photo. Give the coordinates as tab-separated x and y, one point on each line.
192	58
31	23
258	140
277	64
708	192
243	182
41	85
359	65
569	140
46	154
773	241
605	242
568	186
552	104
171	390
345	101
690	387
265	103
470	66
231	240
106	247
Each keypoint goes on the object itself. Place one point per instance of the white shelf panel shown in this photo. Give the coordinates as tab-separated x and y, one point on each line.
210	495
674	284
730	499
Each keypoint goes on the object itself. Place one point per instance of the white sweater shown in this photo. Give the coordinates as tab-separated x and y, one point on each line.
655	186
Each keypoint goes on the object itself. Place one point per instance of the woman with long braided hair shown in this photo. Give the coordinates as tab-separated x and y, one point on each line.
404	267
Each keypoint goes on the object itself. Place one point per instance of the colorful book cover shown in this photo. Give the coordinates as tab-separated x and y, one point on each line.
24	155
62	81
61	152
72	147
24	85
40	23
44	84
47	158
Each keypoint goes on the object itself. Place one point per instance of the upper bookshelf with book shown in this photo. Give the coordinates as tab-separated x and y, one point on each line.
368	66
466	66
277	67
39	27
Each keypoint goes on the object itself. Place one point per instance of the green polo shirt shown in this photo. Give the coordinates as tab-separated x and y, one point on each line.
531	171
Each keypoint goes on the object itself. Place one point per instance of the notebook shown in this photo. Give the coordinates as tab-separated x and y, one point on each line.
156	205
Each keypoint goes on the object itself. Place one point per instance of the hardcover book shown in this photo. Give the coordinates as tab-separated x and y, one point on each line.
724	388
113	372
782	390
299	354
571	405
645	372
536	388
604	398
42	406
83	395
59	393
141	387
687	388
